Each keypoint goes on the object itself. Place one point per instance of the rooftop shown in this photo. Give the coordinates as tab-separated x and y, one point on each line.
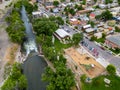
62	33
115	39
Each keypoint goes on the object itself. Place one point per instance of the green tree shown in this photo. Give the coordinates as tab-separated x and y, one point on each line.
83	78
108	1
72	12
111	69
55	3
117	29
77	38
22	82
46	27
106	15
118	2
93	38
84	2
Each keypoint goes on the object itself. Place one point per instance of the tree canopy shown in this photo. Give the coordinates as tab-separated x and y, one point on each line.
77	38
16	27
55	3
111	69
15	80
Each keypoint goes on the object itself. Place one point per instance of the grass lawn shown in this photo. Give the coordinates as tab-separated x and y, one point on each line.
99	84
100	40
60	46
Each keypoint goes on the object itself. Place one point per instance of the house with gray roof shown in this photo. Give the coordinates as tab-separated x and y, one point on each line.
113	41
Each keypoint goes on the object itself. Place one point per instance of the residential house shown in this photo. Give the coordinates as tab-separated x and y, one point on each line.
113	41
38	14
74	21
98	35
92	17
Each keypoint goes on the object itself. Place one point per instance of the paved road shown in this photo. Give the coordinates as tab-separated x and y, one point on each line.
104	54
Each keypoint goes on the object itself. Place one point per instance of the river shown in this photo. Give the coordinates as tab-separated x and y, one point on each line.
34	65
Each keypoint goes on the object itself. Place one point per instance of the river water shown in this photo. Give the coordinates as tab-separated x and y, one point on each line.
34	65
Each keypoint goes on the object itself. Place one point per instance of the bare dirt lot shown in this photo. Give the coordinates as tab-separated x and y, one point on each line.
86	63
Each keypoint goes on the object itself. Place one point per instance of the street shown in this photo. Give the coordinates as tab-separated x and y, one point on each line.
104	54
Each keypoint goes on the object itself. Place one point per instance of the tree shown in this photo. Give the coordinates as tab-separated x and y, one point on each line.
93	38
71	11
59	20
62	79
83	78
84	2
55	3
15	80
92	24
117	29
118	2
106	15
111	69
77	38
22	82
44	26
108	1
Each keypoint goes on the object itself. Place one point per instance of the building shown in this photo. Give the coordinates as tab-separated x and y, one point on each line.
38	14
113	41
62	35
74	21
86	26
92	17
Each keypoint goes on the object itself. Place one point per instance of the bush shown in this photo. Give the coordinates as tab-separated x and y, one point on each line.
83	78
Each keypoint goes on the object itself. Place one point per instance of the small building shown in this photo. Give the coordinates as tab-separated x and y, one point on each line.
102	6
36	14
89	31
49	5
74	21
62	35
113	41
98	35
92	16
86	26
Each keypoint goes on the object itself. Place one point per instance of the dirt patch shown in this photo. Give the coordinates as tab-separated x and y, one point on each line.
11	53
86	63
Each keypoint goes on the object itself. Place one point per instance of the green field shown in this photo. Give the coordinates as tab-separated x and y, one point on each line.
60	46
99	84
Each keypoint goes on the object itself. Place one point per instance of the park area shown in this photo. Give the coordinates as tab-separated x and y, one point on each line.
85	62
99	84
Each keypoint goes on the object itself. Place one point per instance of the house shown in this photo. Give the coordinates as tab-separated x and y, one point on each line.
89	31
86	26
113	41
49	5
102	6
38	14
74	21
62	35
98	35
92	16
